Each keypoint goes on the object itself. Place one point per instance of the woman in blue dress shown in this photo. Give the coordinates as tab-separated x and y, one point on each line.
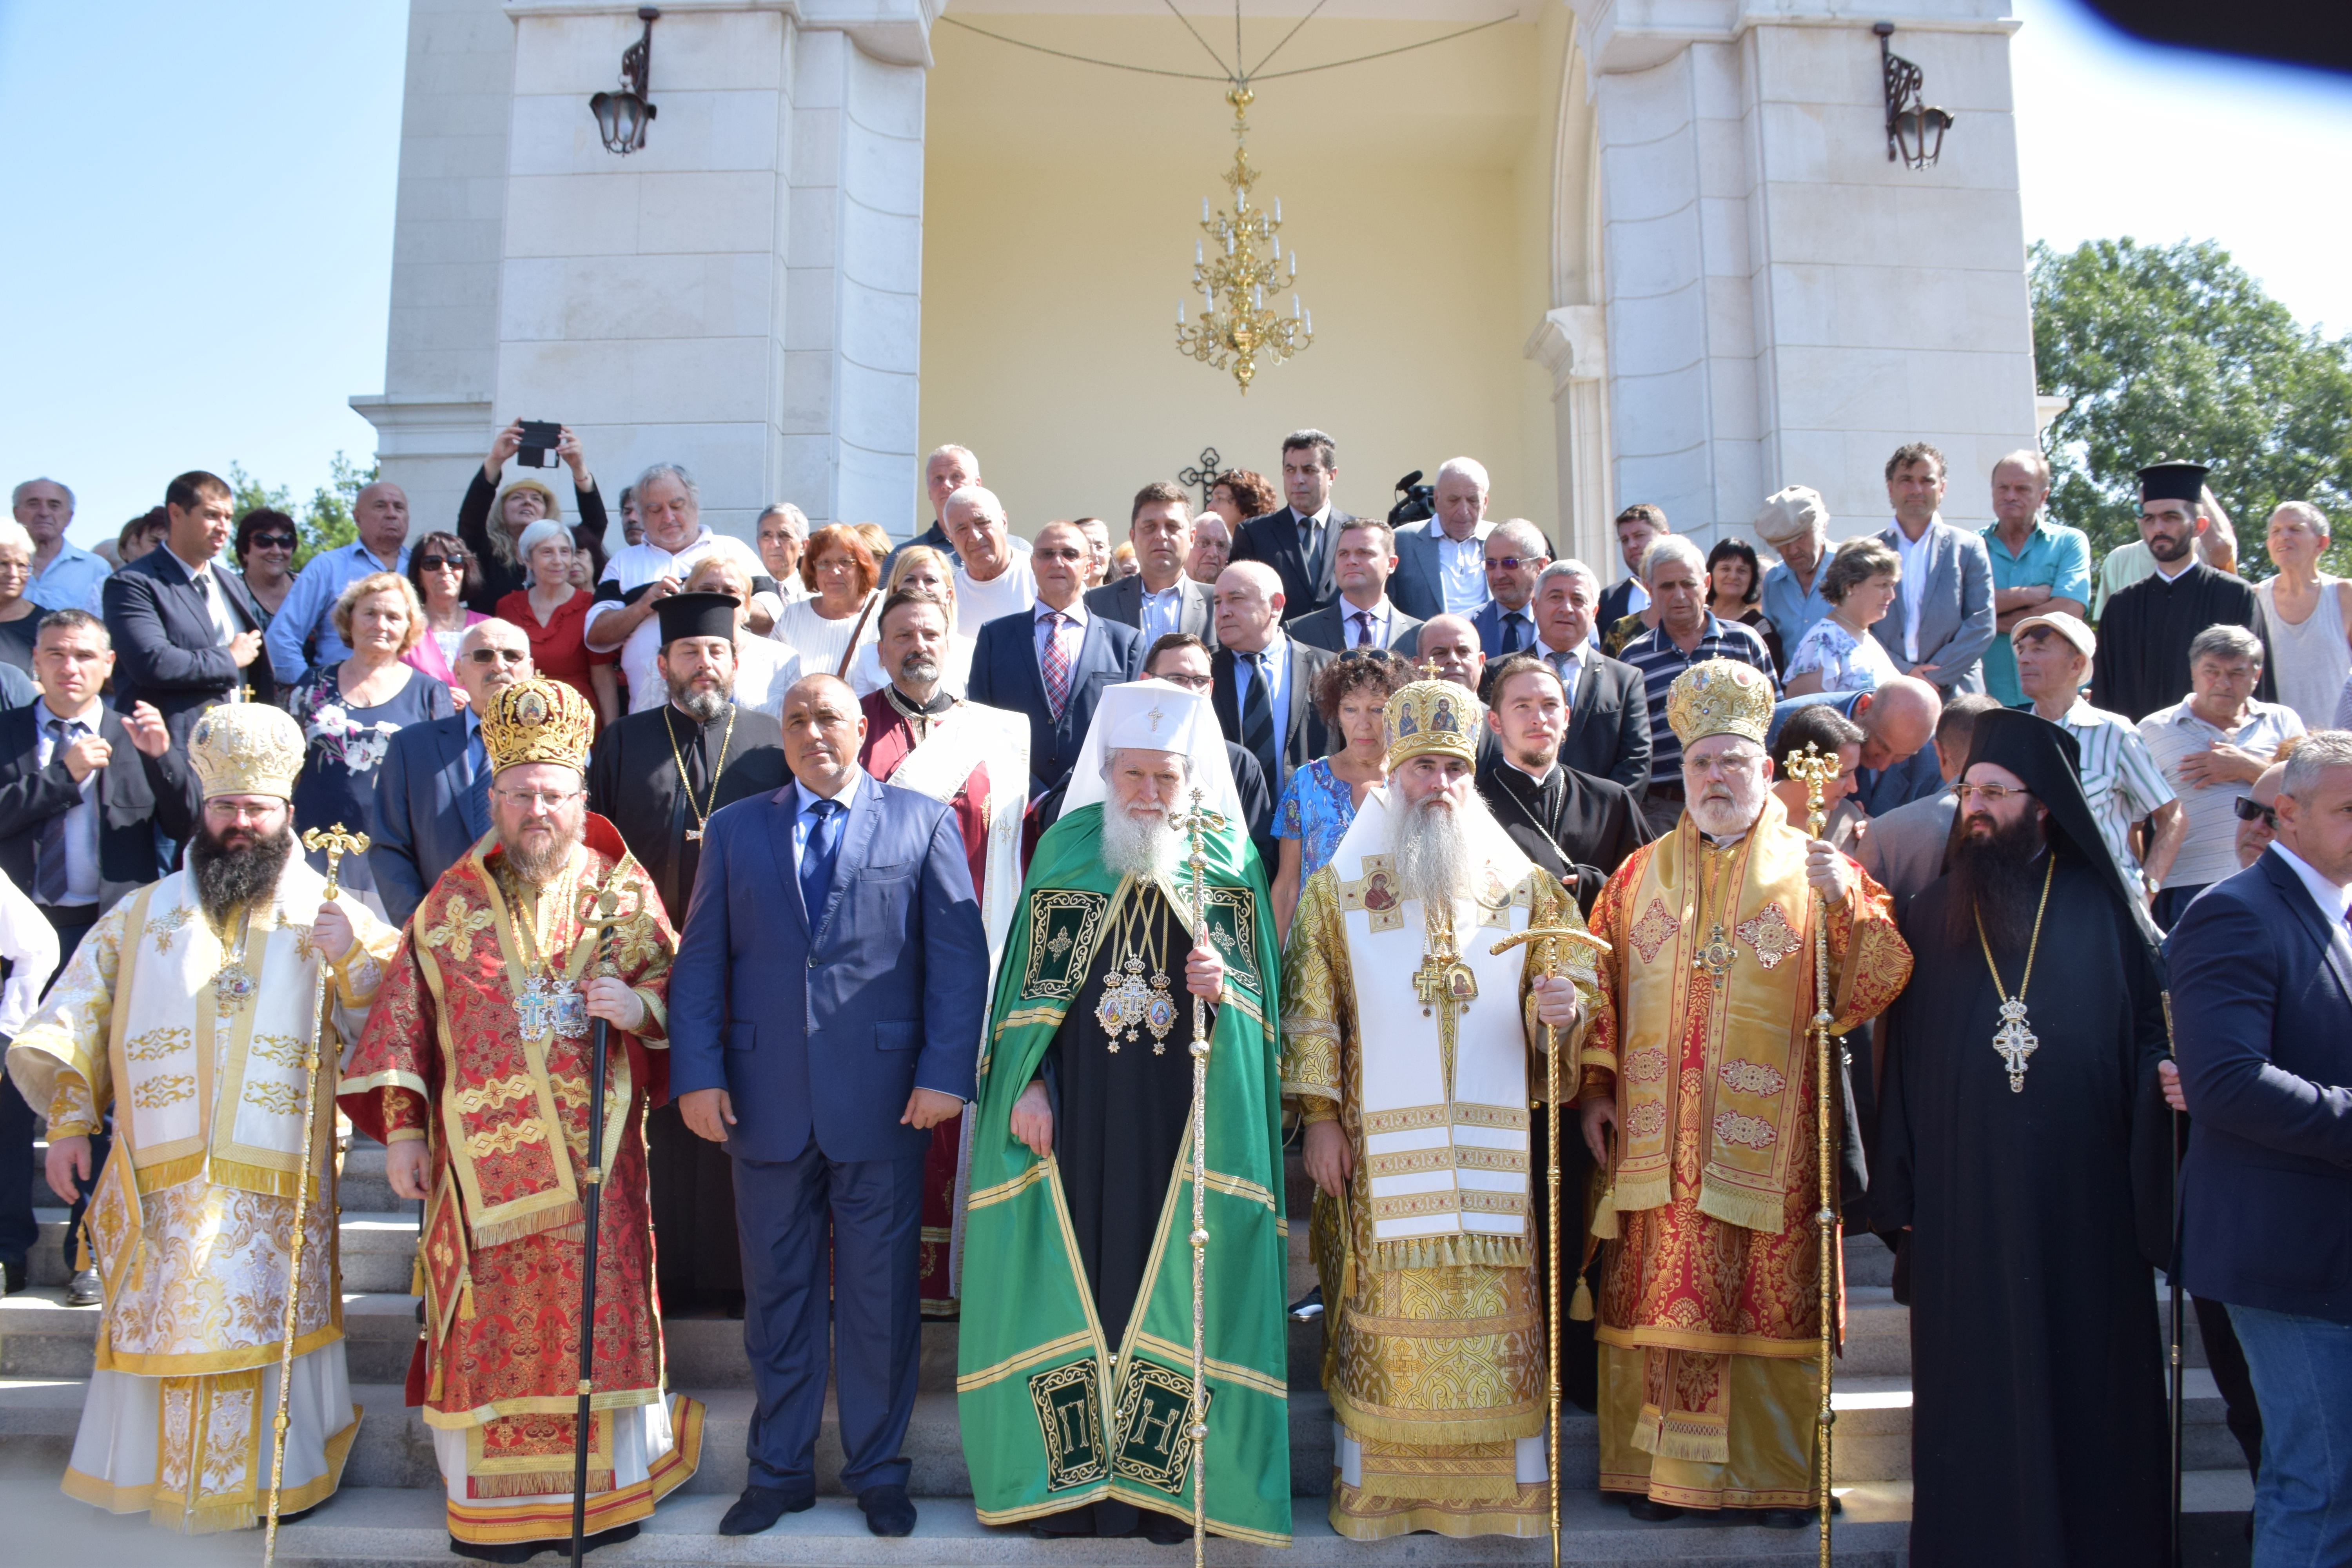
1321	798
350	712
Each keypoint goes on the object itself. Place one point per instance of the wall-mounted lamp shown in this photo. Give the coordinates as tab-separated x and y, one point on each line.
1914	131
622	117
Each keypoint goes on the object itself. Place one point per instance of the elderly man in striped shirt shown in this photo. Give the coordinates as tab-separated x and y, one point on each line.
1687	633
2120	777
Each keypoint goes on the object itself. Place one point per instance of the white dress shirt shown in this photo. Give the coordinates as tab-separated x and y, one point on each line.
2333	902
215	603
1379	617
1462	569
30	942
1913	553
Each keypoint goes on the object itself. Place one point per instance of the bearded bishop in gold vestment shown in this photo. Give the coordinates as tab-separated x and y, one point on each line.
1702	1068
188	1009
1412	1052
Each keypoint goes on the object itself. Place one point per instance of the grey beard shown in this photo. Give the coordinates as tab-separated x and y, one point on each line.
539	866
1728	819
1435	859
919	669
228	878
702	704
1139	846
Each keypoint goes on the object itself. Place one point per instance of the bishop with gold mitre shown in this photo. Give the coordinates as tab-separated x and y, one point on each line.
1703	1070
188	1009
474	1072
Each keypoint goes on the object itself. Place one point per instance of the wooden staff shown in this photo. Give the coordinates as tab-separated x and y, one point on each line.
1545	954
1193	823
1815	770
337	843
599	912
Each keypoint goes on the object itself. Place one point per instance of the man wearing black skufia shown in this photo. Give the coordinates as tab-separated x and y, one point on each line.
2023	1146
658	776
1575	826
2146	629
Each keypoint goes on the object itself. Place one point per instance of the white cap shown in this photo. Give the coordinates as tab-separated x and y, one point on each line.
1155	716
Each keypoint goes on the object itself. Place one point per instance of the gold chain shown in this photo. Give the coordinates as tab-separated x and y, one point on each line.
2031	947
701	812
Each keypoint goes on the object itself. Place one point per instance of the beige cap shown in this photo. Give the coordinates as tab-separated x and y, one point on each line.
1791	514
2069	626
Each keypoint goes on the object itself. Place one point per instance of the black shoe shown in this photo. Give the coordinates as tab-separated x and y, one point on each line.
1650	1512
1069	1524
12	1276
1785	1518
510	1552
613	1537
760	1507
85	1290
1307	1308
887	1509
1164	1529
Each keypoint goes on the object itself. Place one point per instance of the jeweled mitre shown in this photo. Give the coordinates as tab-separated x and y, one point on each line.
537	721
1426	716
1719	697
245	748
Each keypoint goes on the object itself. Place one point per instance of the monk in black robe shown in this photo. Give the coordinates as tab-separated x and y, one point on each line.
658	776
2146	630
1577	826
2024	1171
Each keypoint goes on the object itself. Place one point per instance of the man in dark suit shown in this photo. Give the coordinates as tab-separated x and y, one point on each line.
1052	661
1158	598
1609	713
1363	564
2262	995
826	1013
1264	682
1639	526
188	634
1297	541
82	790
1441	563
1515	555
946	471
433	791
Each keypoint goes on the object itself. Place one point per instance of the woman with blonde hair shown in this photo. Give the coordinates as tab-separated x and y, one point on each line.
919	569
841	571
351	711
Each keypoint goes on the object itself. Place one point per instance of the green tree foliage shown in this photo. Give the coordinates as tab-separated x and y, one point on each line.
326	521
2175	351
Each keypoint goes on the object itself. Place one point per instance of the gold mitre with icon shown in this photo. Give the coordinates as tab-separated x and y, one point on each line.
1431	716
245	748
1719	697
537	721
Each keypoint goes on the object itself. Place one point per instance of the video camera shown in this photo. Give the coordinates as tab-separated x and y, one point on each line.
1415	501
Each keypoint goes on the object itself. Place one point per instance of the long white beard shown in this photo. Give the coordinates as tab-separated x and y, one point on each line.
1729	818
1142	845
1436	854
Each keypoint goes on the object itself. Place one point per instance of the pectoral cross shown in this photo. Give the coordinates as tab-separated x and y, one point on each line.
535	1009
2015	1042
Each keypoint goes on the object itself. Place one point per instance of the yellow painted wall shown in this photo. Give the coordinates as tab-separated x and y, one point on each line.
1061	202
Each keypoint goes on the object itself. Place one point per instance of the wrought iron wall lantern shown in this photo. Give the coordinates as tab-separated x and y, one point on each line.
1914	131
622	117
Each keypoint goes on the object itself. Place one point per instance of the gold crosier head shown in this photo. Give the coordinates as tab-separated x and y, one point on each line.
1814	768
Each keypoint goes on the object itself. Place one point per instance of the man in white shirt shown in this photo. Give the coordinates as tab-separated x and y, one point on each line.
381	512
2120	778
639	576
991	579
65	576
1158	599
1363	615
1442	564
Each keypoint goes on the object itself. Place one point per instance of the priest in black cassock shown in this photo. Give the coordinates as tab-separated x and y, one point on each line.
658	776
2024	1149
1580	828
2144	634
1575	826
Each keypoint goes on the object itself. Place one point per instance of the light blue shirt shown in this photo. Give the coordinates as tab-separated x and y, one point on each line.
2053	554
1041	627
1276	655
75	579
1162	612
1793	610
310	607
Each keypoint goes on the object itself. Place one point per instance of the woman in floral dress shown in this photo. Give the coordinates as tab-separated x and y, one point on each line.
350	712
1321	798
1838	654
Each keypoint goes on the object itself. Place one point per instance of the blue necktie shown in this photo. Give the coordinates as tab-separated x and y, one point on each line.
1515	630
49	849
817	860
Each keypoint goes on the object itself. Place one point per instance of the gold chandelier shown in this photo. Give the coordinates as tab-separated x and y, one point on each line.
1231	269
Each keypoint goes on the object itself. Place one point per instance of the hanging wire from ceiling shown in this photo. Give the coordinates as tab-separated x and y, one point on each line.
1233	75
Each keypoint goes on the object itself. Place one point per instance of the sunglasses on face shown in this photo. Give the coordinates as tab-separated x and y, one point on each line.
2252	810
1507	563
273	541
441	563
497	656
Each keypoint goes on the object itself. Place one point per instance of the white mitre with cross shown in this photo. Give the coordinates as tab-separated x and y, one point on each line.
1156	716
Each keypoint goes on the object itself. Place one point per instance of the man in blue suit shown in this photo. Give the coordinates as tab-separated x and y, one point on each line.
826	1013
2261	993
1052	661
432	794
186	633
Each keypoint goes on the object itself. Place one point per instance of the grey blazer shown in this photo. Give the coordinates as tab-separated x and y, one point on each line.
1904	850
1955	612
1123	602
1418	586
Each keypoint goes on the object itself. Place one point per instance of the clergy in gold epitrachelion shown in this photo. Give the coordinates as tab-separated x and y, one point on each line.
1413	1052
1703	1070
474	1072
188	1009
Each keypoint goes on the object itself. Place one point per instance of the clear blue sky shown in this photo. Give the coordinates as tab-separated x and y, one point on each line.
201	200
